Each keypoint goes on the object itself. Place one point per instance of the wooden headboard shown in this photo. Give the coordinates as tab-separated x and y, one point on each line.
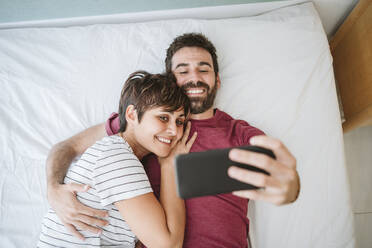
351	48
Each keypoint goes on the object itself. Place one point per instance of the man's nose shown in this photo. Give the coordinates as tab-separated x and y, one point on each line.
195	77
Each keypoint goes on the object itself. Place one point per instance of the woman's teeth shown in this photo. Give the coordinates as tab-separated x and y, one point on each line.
168	141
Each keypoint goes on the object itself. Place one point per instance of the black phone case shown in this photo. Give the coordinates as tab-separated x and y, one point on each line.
205	173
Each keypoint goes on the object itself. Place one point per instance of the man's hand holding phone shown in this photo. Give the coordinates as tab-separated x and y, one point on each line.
205	173
280	186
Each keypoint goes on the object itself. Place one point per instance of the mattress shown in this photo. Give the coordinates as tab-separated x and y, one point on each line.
276	73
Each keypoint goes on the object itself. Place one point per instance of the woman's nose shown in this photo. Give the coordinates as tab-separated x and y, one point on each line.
172	129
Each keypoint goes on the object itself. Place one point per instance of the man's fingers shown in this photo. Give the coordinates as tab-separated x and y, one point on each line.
85	227
255	178
281	186
259	195
75	187
73	230
92	221
280	150
83	209
250	194
258	160
79	208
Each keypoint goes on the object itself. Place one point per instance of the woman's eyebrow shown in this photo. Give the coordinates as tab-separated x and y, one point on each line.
164	111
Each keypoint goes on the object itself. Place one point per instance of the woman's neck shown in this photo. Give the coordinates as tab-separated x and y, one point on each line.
138	150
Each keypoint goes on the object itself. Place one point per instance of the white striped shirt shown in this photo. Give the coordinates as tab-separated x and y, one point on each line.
114	174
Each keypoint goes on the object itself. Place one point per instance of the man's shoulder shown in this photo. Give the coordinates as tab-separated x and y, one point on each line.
220	114
242	131
223	116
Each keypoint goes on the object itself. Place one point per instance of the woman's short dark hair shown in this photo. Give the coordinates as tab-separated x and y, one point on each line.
146	91
190	40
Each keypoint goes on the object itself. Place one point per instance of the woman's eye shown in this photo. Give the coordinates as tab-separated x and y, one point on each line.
180	122
182	72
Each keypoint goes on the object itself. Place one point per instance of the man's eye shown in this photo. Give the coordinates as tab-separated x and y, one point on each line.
182	72
203	71
180	122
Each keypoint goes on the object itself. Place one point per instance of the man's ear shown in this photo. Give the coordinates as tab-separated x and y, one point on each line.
131	114
218	81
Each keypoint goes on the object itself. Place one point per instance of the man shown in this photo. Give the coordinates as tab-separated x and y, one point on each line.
212	220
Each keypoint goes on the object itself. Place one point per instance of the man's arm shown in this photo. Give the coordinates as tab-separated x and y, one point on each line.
62	197
282	186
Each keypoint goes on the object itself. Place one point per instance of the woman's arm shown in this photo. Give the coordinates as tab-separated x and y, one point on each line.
154	225
159	224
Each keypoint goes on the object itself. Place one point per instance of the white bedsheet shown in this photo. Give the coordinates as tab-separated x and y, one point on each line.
276	72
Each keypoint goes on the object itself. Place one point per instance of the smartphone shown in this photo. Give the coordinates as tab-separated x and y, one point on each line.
205	173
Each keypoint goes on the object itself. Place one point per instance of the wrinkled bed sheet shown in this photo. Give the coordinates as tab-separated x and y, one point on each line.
276	72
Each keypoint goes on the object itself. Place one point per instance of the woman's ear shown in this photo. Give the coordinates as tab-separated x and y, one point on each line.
131	115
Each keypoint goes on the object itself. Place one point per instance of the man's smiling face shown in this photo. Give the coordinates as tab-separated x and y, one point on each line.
193	68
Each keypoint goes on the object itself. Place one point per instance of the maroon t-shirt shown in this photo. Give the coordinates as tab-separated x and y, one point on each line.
211	221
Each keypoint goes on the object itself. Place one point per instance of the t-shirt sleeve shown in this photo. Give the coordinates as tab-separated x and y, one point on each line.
245	132
119	175
112	124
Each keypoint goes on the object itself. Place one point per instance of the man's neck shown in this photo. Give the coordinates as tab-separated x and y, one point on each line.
209	113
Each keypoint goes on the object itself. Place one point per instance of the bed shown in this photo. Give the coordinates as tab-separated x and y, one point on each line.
59	78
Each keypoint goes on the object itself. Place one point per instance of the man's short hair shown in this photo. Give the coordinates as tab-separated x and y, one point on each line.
190	40
146	91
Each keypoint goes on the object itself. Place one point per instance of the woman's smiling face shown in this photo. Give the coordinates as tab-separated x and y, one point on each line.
160	130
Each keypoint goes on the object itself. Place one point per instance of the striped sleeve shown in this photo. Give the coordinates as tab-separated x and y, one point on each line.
119	175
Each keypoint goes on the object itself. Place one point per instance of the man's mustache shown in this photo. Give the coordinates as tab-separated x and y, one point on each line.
198	84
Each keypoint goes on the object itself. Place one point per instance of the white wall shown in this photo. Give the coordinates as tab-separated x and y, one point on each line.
333	13
358	151
26	10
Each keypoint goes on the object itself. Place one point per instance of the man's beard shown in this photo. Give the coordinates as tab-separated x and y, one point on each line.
201	104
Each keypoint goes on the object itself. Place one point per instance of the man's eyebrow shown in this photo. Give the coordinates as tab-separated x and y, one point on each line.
201	63
205	63
181	64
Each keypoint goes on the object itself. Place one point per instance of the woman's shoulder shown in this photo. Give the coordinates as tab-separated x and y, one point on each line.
112	142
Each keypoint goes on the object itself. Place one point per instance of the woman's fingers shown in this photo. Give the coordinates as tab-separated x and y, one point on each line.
186	133
191	141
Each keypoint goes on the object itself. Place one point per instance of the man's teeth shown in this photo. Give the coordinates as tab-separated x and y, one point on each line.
195	91
168	141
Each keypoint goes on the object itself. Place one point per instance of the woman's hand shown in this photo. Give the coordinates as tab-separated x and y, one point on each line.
183	146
